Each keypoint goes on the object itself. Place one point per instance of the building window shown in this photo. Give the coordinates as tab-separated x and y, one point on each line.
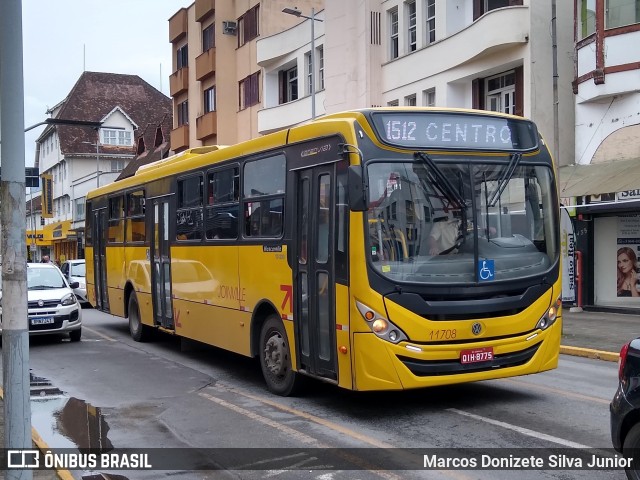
183	113
393	103
501	93
79	208
586	18
210	100
320	82
208	38
249	89
289	85
410	101
393	33
182	57
411	22
248	27
116	137
309	65
431	21
619	13
430	97
117	165
480	7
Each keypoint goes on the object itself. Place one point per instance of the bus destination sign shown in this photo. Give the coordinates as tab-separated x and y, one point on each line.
455	131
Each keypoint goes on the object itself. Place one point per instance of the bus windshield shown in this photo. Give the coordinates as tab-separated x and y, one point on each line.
436	220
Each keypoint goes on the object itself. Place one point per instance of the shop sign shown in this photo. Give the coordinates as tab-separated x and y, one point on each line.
629	195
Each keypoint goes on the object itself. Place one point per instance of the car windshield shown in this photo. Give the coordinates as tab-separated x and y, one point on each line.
77	269
44	278
435	220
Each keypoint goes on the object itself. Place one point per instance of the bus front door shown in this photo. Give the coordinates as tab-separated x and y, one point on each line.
99	234
161	265
315	287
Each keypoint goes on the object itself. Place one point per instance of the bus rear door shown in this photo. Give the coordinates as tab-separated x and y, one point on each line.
161	264
99	235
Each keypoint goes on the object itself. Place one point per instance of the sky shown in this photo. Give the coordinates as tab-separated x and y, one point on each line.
63	38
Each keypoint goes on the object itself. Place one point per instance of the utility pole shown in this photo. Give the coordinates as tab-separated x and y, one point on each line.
556	120
15	328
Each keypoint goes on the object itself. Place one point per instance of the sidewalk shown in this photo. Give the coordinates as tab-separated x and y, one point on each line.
587	334
597	334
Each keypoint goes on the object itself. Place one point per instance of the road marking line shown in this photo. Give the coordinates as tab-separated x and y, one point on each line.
330	425
522	430
284	429
565	393
95	332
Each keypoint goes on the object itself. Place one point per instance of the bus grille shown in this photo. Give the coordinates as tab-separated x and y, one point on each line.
426	368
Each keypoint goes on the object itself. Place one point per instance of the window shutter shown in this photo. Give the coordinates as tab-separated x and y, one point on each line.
519	106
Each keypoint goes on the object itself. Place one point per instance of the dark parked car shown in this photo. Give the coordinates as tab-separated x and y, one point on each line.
625	407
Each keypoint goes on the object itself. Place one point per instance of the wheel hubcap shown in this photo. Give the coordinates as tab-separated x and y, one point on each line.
274	355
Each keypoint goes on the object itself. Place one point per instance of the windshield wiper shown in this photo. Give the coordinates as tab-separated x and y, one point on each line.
440	180
505	177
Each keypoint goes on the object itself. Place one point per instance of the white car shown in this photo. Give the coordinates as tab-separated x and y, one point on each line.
53	307
74	271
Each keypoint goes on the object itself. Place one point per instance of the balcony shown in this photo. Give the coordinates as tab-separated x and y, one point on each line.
179	81
206	64
204	8
178	25
206	125
180	138
285	115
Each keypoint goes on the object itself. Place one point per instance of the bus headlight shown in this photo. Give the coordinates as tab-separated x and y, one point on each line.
550	317
380	325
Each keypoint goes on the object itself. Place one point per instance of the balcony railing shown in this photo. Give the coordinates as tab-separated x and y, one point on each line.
180	138
206	64
206	125
178	25
179	81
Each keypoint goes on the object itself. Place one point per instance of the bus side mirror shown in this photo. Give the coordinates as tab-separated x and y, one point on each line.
357	189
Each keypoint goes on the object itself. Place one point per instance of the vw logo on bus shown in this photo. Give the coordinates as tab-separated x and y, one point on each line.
41	303
476	328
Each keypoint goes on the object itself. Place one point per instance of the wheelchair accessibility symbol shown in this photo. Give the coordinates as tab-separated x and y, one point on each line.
486	270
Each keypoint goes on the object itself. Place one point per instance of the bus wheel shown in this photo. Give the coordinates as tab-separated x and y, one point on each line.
275	358
139	331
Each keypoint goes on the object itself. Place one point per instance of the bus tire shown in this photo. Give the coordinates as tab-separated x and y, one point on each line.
139	331
275	358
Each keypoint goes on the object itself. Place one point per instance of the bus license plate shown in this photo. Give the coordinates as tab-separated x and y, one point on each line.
476	355
42	321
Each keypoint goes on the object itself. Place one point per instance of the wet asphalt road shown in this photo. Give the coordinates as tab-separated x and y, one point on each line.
211	406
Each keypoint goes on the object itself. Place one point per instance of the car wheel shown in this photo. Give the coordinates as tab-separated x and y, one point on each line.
139	331
75	335
631	449
275	359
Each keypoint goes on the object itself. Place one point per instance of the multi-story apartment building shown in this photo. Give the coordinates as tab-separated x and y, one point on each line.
78	158
604	182
488	54
216	85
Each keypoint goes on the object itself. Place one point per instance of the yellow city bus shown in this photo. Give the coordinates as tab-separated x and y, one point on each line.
320	249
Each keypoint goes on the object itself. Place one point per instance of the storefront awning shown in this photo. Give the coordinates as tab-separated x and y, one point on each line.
59	230
599	178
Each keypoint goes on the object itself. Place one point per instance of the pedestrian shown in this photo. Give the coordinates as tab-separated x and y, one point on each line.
627	275
45	259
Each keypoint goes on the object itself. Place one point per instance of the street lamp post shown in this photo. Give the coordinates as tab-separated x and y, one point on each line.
312	64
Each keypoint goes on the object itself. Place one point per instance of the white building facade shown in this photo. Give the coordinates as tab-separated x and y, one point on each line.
604	182
489	54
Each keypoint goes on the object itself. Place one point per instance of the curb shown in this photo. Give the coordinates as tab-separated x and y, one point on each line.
589	353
